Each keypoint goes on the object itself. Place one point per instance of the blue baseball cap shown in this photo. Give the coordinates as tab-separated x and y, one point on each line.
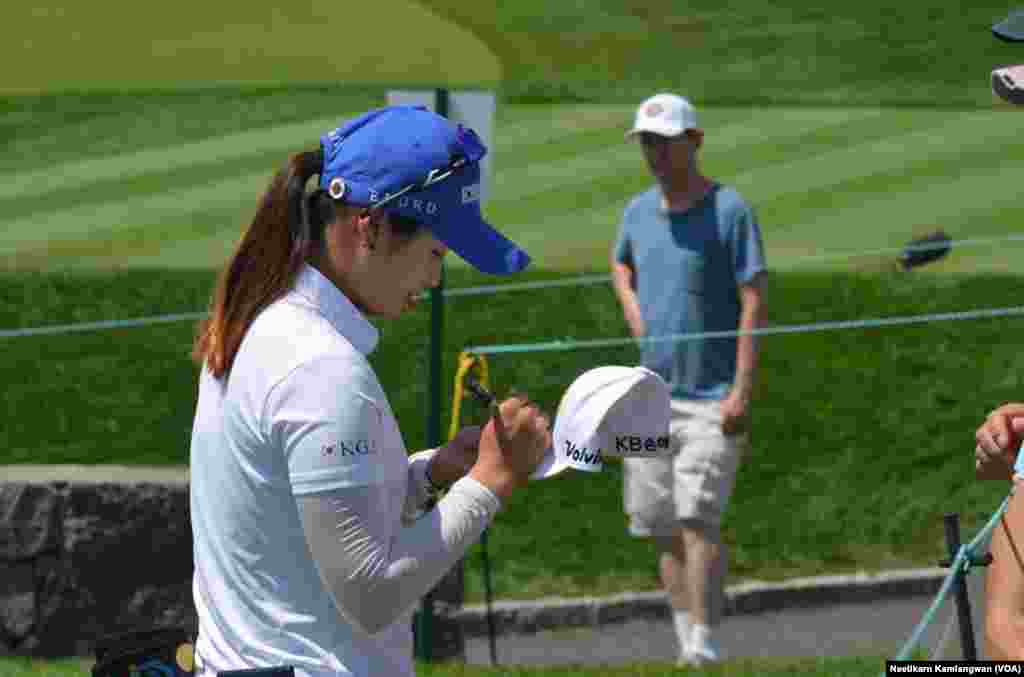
422	166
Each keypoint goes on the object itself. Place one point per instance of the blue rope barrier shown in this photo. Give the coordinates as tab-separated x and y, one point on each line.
870	323
95	326
575	281
960	566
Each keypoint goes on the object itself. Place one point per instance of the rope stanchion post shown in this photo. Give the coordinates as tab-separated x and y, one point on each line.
464	380
963	602
961	558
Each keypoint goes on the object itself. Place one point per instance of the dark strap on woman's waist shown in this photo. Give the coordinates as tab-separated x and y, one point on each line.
286	671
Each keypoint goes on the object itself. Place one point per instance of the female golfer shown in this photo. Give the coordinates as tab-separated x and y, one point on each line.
312	543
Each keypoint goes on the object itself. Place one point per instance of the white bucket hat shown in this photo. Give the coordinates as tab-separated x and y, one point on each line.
608	411
665	115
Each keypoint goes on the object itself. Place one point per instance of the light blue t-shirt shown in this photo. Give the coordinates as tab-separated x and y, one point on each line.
688	268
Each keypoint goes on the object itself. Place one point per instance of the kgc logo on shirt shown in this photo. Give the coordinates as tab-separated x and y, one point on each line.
350	448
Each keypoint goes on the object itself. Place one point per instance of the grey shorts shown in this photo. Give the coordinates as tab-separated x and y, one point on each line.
694	482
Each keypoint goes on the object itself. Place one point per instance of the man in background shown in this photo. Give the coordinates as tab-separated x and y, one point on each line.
689	259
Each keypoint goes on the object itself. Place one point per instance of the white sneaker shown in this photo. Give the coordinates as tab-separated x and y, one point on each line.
702	650
683	660
683	631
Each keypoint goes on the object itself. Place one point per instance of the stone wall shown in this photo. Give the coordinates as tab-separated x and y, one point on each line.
82	557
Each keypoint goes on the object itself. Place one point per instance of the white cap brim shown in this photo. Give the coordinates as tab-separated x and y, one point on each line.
656	126
550	466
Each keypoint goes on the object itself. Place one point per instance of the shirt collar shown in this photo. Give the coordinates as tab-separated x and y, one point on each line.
659	194
317	290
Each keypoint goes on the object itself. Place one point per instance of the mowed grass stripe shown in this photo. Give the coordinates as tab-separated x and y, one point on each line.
917	144
43	131
99	213
277	139
967	195
525	125
575	170
526	134
238	193
284	139
91	188
570	238
202	250
575	200
70	176
726	130
817	199
568	212
102	194
878	219
765	149
150	230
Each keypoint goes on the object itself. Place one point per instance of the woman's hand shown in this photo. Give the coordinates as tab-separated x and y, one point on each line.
512	445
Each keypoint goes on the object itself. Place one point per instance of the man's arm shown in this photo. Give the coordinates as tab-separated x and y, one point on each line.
622	283
1004	585
624	278
752	314
736	406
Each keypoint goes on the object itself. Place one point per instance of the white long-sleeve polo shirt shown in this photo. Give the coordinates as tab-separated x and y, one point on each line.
302	500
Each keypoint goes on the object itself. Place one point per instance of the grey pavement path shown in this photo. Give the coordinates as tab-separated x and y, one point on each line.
870	615
875	628
90	474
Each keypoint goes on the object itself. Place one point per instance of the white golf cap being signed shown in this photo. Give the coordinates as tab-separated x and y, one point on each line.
608	411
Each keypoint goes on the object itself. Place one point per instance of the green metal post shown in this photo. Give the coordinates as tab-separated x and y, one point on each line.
425	618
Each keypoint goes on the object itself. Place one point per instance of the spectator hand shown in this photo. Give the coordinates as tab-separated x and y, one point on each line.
735	413
998	440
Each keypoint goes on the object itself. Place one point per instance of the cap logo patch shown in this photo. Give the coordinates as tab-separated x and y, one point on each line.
582	454
471	193
654	109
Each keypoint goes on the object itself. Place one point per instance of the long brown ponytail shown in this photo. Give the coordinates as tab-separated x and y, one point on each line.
264	265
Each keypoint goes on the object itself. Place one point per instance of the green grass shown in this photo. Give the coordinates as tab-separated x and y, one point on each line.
121	187
125	185
67	46
128	201
862	438
769	667
925	52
